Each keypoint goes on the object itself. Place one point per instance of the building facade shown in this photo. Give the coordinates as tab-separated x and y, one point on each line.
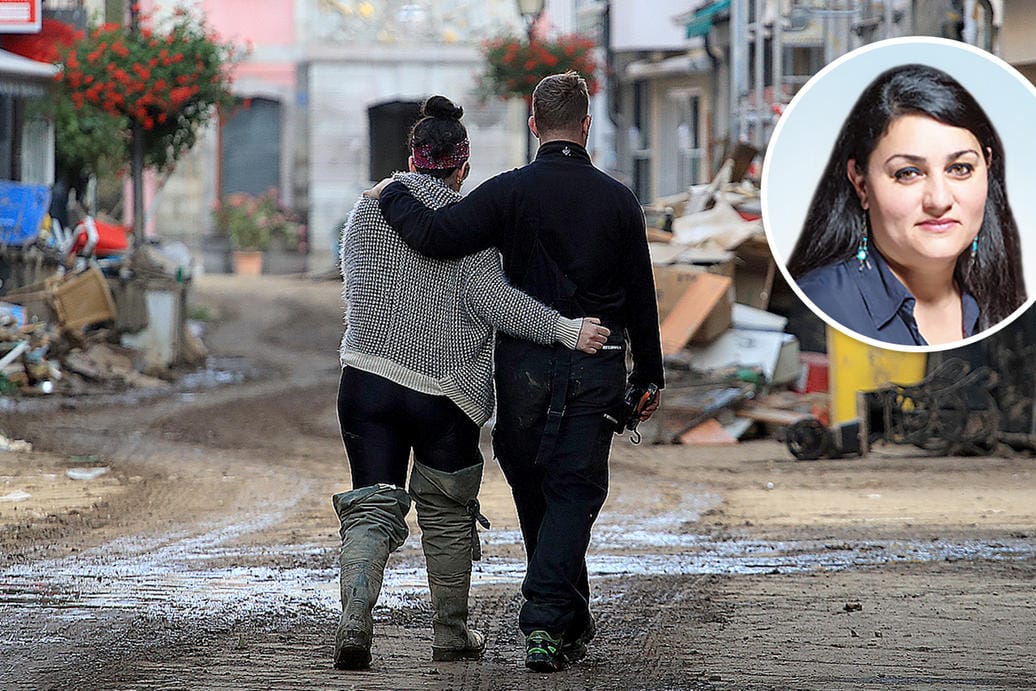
693	79
325	97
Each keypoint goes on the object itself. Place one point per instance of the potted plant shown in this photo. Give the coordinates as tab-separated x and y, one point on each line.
252	223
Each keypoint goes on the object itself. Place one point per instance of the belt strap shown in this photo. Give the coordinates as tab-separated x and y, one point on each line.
477	519
562	366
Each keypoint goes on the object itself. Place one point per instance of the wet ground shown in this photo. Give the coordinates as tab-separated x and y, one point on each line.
185	540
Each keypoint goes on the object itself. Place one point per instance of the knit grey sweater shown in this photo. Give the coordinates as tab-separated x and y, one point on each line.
427	324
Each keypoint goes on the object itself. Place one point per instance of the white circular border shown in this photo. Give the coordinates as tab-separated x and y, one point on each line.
803	146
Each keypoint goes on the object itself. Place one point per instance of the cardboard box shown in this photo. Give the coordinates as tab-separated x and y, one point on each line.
756	269
777	354
673	280
702	312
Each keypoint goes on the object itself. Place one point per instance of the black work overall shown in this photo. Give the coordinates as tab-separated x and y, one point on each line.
558	491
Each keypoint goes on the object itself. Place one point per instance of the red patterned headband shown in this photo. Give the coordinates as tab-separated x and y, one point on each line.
423	157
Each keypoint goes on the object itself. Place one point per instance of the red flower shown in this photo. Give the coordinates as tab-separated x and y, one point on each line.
163	79
514	65
179	95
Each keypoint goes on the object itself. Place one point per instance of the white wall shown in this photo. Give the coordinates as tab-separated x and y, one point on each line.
1017	32
341	90
648	25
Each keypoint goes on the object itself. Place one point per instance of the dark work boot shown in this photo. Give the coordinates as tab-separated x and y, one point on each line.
447	509
373	525
543	652
574	649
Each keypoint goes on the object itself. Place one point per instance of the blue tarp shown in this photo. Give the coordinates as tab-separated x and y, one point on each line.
22	208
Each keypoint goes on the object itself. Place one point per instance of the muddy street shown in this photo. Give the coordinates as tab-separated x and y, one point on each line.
184	538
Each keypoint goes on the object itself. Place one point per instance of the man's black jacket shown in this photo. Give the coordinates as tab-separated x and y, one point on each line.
570	236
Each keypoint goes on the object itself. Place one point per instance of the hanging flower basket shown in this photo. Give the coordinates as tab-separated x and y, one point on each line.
514	66
166	80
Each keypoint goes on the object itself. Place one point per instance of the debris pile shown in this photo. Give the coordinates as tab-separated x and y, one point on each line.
731	368
94	329
38	358
24	362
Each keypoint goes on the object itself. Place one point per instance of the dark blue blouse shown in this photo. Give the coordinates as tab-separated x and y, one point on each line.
873	302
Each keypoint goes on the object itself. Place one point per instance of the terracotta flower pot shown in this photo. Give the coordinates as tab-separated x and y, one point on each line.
247	262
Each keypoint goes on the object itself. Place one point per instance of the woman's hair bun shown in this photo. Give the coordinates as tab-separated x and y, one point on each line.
441	107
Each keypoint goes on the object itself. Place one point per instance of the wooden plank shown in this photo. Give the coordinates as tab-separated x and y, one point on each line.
655	235
692	309
772	416
708	433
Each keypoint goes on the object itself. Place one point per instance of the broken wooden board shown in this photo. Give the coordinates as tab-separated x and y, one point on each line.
692	309
708	433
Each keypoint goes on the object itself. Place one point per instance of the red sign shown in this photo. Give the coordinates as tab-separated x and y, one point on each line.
20	16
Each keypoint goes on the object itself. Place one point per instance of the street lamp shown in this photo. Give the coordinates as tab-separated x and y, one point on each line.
530	11
137	156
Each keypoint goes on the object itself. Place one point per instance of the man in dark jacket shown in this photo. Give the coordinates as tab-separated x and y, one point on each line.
574	238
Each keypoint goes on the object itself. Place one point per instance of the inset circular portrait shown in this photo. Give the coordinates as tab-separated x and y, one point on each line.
899	194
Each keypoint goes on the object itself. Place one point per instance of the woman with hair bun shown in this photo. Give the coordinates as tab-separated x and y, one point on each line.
417	366
910	238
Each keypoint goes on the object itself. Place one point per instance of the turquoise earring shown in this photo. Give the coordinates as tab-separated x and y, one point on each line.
861	253
974	247
862	250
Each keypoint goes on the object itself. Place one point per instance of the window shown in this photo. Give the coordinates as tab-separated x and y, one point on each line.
681	161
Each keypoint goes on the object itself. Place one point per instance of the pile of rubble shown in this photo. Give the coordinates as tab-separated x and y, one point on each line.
731	368
79	331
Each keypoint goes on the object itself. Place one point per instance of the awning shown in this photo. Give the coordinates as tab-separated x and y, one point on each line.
694	62
44	46
24	77
703	18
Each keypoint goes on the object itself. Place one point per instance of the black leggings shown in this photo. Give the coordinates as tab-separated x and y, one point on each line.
382	421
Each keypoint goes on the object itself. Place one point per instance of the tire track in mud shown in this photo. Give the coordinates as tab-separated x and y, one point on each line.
132	593
246	517
293	651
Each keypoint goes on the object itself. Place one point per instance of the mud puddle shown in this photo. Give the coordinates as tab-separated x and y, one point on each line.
182	576
218	371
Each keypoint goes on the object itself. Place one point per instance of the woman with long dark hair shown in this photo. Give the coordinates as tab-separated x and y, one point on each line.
417	376
909	238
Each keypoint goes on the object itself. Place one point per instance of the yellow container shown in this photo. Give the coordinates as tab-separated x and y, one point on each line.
855	366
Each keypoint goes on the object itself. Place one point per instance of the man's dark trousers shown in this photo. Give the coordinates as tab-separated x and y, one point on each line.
558	495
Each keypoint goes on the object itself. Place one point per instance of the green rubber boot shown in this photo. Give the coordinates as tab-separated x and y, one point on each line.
373	525
447	510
